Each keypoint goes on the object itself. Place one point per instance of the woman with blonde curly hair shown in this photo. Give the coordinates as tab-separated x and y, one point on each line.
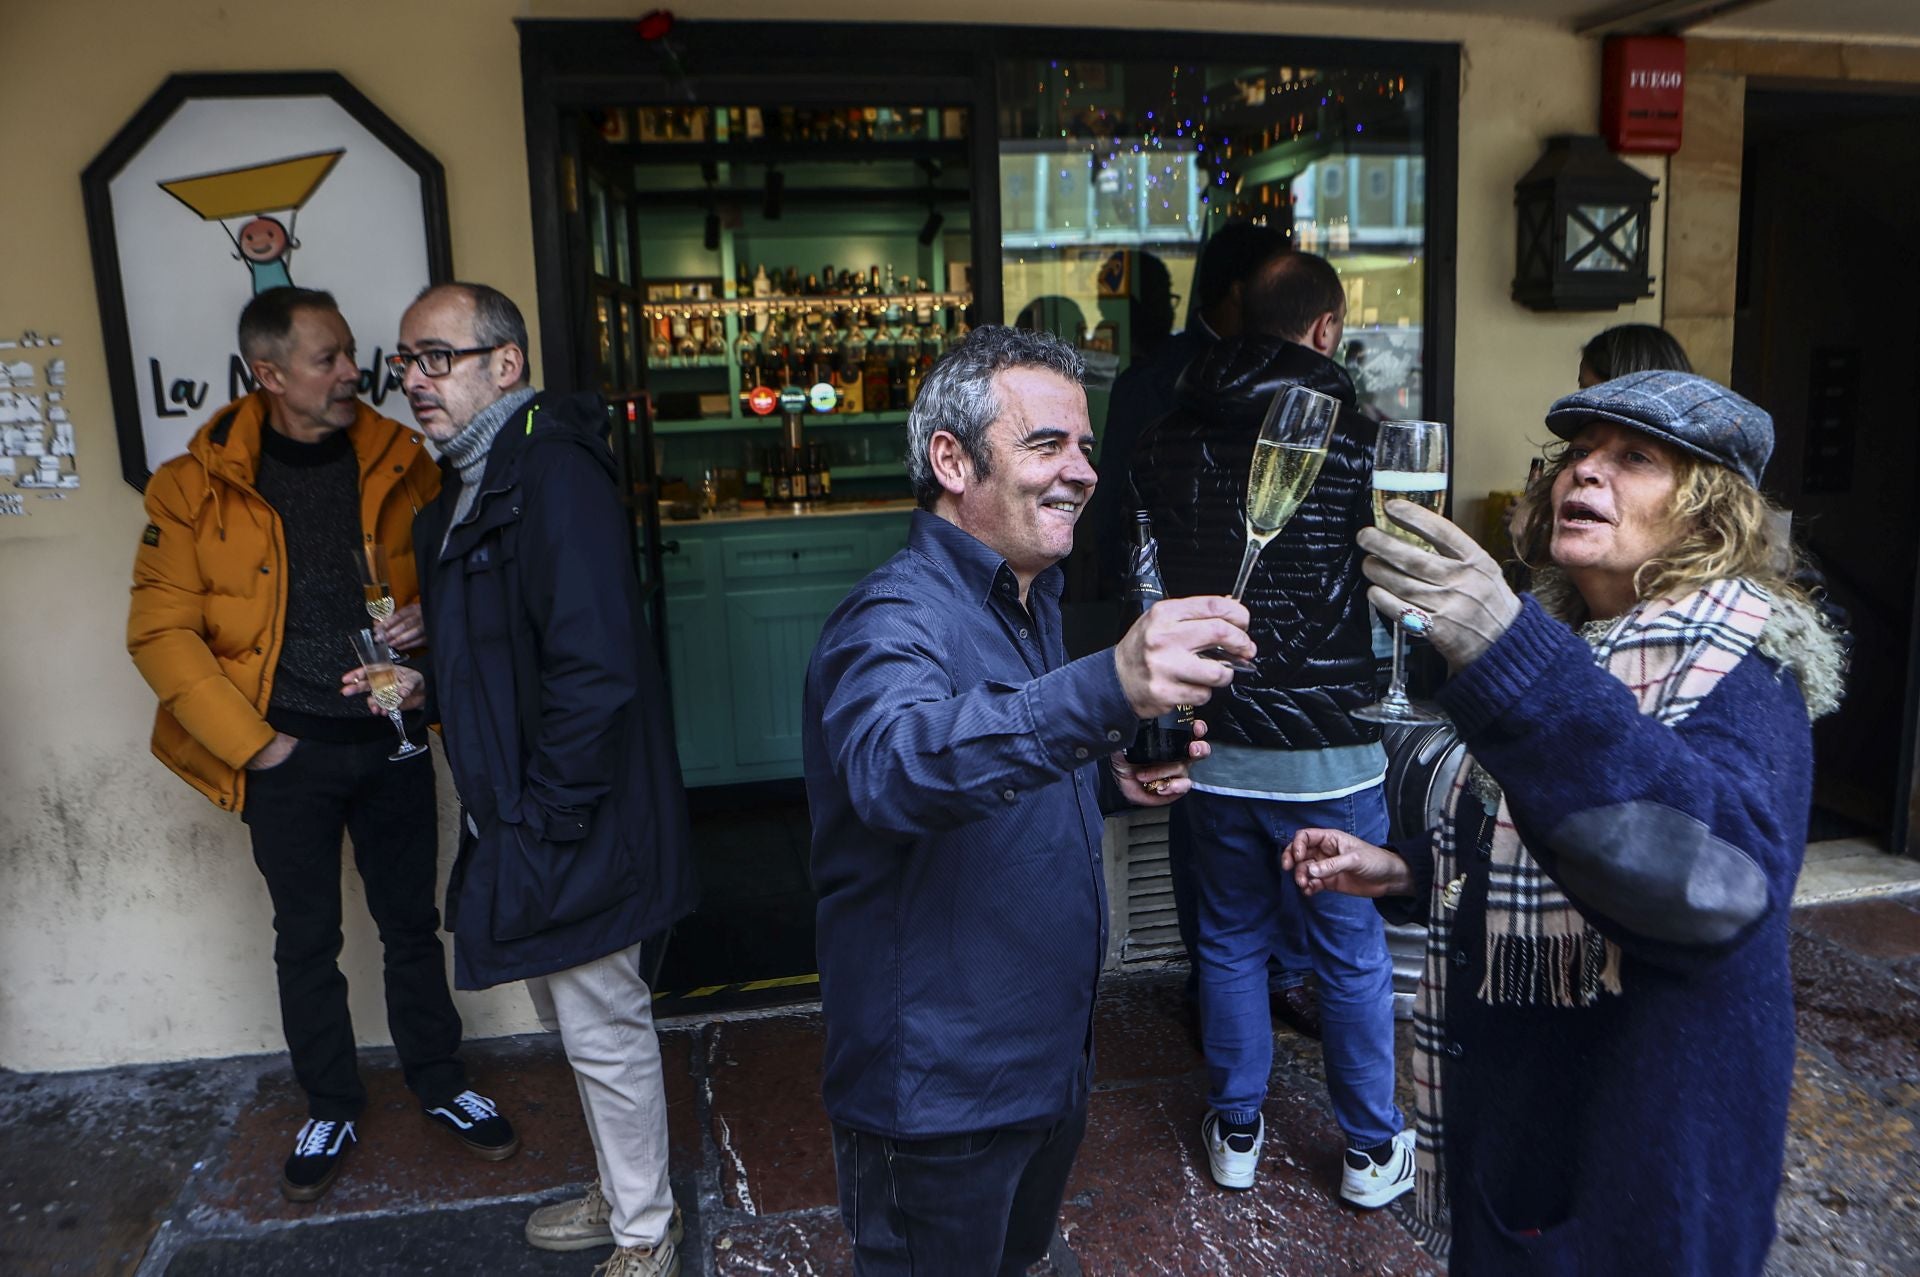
1604	1029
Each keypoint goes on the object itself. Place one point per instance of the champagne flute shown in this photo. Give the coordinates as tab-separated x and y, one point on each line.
383	684
1286	460
1409	464
377	587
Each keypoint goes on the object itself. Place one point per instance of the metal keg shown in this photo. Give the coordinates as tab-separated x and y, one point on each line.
1422	759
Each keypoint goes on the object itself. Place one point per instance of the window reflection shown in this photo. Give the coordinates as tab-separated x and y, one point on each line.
1114	175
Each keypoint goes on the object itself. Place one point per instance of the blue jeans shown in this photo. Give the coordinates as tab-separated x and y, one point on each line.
1242	901
1290	964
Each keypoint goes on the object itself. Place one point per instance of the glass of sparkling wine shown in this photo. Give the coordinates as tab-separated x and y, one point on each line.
377	587
1409	464
383	684
1286	460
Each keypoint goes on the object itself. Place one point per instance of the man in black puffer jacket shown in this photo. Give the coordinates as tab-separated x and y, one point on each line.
1287	752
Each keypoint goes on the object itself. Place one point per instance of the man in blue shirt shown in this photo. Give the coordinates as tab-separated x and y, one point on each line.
950	761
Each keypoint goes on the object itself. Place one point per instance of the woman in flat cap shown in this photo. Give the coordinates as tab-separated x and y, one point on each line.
1604	1031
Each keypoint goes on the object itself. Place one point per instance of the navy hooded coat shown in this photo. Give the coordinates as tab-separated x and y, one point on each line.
574	841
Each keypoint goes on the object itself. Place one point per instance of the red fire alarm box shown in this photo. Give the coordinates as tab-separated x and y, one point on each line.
1642	81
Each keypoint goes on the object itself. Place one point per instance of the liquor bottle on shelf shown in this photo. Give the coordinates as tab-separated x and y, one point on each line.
823	466
851	374
874	376
810	468
782	476
766	475
897	392
683	342
762	287
827	354
810	465
1163	739
746	353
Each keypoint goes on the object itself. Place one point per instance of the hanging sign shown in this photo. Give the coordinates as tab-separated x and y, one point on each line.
225	186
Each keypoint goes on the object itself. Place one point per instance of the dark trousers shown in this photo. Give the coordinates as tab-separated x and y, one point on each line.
960	1206
296	813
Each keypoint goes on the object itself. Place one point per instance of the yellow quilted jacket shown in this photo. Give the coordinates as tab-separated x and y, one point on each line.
210	584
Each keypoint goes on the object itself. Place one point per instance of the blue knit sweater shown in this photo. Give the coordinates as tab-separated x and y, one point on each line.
1645	1133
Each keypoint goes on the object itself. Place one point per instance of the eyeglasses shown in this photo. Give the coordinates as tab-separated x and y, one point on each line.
437	362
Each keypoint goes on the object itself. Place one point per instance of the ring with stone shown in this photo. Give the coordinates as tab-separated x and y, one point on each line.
1414	621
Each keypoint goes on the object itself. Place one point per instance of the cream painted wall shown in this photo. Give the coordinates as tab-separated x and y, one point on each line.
133	926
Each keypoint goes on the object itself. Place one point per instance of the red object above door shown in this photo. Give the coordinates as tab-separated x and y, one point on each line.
1642	81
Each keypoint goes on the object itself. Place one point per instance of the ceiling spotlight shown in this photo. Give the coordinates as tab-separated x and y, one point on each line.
930	228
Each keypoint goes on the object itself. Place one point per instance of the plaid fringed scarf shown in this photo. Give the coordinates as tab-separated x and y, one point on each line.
1670	654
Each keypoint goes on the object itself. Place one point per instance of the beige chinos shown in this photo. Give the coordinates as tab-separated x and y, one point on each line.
603	1012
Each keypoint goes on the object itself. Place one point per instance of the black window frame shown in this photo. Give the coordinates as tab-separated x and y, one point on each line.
568	66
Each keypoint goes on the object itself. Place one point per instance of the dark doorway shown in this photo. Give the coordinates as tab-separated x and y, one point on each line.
751	943
1825	338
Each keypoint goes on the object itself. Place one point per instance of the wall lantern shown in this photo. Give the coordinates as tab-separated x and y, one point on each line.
1582	230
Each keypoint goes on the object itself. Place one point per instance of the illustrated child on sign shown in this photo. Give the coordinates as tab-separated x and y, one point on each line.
258	192
265	246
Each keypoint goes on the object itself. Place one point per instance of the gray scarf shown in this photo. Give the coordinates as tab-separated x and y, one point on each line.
469	449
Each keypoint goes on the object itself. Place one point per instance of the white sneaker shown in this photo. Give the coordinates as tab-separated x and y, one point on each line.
1232	1158
1369	1184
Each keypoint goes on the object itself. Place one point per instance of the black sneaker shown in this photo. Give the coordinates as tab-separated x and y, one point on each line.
476	1123
317	1153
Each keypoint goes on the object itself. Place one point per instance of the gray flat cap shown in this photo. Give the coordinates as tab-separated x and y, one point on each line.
1688	411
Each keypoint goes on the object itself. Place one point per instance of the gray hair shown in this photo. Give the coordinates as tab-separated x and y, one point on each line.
496	320
958	397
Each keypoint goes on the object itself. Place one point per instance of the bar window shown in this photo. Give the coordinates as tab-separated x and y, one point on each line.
1114	173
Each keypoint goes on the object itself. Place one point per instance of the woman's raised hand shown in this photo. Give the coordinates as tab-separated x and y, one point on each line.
1334	860
1457	587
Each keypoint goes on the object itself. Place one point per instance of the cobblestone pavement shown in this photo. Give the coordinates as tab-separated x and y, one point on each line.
173	1170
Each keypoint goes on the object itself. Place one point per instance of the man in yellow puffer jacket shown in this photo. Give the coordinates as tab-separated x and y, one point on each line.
246	591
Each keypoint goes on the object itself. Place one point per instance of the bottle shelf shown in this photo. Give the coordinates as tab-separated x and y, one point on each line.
874	470
806	304
687	363
789	152
772	421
